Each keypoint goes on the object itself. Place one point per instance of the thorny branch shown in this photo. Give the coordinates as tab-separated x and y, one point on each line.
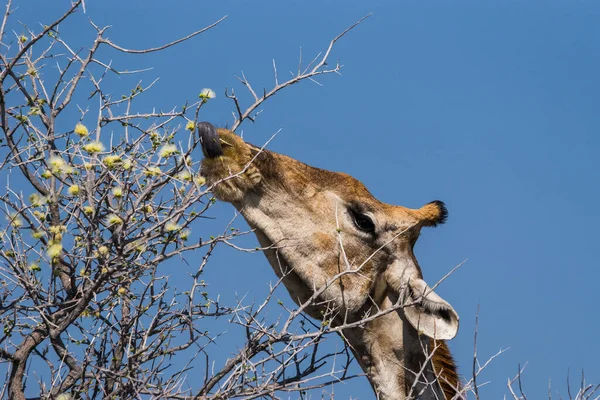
310	71
101	221
85	295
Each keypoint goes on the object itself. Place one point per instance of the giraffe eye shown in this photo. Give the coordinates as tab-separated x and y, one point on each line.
362	222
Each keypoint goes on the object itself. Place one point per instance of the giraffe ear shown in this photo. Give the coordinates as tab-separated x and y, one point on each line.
428	313
433	214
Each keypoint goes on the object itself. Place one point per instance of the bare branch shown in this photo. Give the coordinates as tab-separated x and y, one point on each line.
300	76
163	47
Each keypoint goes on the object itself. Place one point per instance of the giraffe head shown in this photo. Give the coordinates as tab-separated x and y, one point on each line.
325	232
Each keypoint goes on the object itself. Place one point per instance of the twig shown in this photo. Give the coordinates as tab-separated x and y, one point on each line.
159	48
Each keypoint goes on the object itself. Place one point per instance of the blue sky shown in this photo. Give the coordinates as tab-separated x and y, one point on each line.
489	106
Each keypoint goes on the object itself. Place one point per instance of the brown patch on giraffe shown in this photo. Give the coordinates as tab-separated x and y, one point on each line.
323	241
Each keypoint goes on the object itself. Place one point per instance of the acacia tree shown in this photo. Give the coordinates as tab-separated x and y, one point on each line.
99	196
94	206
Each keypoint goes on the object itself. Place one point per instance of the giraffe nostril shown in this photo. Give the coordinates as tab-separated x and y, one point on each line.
211	145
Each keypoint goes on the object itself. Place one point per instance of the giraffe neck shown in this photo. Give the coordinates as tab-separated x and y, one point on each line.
392	354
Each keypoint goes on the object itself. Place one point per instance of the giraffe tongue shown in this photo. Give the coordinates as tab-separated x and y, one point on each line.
210	140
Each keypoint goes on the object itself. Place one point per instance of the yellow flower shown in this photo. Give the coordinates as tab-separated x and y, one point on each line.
94	147
147	208
88	210
37	234
171	227
39	214
34	267
113	219
36	200
206	94
152	171
56	229
117	192
199	180
23	38
56	163
112	161
185	176
54	250
15	221
81	129
167	151
122	291
23	119
184	234
127	164
73	190
190	126
103	250
46	174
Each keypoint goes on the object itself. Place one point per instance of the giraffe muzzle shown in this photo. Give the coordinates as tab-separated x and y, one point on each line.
211	146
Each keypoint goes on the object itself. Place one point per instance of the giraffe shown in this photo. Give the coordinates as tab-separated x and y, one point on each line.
324	233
